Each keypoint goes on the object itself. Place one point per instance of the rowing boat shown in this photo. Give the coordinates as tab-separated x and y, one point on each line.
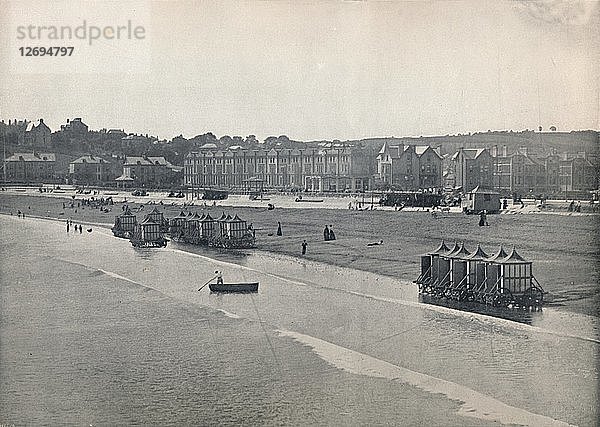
233	287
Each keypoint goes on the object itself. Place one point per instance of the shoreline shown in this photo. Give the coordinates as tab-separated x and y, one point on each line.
355	229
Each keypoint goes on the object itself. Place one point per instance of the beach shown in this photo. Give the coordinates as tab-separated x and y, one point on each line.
562	246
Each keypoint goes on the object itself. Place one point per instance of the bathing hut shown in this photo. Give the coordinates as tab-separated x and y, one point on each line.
480	199
476	274
236	227
222	221
148	234
158	217
192	232
430	268
177	224
207	225
492	275
124	224
444	269
516	283
458	272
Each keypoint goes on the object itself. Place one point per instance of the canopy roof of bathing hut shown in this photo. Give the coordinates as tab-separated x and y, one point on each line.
236	219
461	253
207	218
454	249
223	217
148	220
127	212
478	255
197	215
155	211
441	250
514	258
498	256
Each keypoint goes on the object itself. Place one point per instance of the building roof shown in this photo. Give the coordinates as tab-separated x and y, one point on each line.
469	153
32	157
89	159
148	161
481	190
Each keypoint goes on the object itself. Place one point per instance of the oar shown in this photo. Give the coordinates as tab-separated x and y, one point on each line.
206	283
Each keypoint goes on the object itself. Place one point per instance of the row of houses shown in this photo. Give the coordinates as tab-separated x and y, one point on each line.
316	167
521	173
324	168
142	171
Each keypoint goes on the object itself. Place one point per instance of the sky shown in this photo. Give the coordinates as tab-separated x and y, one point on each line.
310	70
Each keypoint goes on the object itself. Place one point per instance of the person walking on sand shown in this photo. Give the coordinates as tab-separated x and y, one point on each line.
326	233
279	232
304	245
331	233
67	226
80	229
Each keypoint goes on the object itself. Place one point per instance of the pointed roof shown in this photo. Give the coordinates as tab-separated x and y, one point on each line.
127	212
148	220
501	254
454	249
441	250
478	255
155	211
514	258
207	218
461	253
236	218
223	217
196	215
182	214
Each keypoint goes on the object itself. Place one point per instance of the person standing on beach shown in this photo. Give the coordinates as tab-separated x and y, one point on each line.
219	275
326	233
80	229
67	226
331	233
279	232
304	245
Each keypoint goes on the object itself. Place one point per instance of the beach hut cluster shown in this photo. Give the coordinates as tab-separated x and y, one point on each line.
502	279
226	231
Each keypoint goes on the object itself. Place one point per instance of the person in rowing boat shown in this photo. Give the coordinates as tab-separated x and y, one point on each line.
219	277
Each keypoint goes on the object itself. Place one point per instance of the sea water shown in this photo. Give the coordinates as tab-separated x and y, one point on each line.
94	331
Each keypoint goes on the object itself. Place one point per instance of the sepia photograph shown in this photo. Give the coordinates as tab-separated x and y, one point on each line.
298	213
